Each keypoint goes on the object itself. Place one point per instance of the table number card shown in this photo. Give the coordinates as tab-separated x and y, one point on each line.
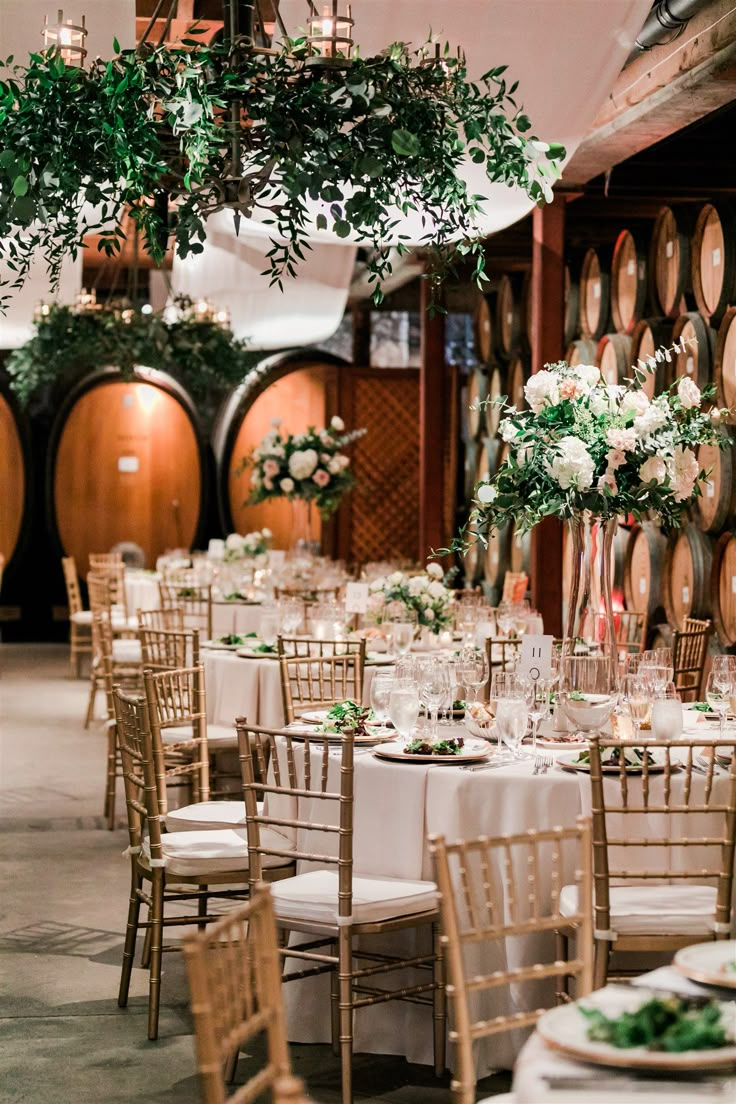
535	660
356	598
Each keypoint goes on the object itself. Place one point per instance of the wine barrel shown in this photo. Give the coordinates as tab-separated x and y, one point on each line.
572	303
595	292
723	588
13	482
496	389
509	314
687	567
669	259
613	357
645	550
716	503
581	351
526	311
496	559
628	282
477	393
518	374
472	451
483	328
724	363
649	335
127	464
520	550
713	259
696	361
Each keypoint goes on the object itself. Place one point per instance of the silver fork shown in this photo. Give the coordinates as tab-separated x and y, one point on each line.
538	764
546	763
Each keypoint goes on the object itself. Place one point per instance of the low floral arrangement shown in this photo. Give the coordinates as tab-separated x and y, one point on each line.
309	466
427	595
246	547
583	444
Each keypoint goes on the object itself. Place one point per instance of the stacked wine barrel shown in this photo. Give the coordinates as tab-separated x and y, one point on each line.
651	286
502	342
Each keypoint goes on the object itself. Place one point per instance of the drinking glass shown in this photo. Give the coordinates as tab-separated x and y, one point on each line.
587	691
636	695
504	683
292	611
403	636
667	714
520	615
724	668
657	658
512	718
381	687
537	694
472	669
269	627
505	617
431	684
718	692
403	707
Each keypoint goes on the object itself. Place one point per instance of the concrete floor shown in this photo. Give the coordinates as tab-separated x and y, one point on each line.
63	1040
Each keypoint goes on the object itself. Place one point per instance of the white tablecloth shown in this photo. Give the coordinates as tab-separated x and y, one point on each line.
142	593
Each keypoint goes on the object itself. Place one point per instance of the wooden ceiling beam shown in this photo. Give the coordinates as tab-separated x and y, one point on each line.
663	91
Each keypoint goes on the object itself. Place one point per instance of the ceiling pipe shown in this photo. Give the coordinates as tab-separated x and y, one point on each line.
664	23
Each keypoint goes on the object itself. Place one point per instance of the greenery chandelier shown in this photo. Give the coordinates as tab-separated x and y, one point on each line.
302	135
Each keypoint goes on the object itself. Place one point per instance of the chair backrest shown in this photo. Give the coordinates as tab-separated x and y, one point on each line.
515	585
293	773
167	649
501	654
630	628
103	560
320	681
234	973
299	646
172	618
176	699
101	592
689	649
688	806
492	890
194	600
130	721
71	582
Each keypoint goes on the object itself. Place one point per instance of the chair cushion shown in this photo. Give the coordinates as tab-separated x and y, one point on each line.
119	619
82	617
126	651
214	852
313	897
206	815
218	736
654	909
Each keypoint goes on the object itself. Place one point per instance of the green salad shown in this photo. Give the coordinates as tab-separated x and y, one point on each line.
231	638
611	757
265	649
459	705
671	1024
349	712
452	746
700	707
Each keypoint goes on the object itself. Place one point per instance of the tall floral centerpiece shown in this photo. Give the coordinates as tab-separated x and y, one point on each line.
587	452
310	467
425	594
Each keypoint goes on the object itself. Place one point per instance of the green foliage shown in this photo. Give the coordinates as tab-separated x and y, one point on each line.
673	1024
68	345
80	146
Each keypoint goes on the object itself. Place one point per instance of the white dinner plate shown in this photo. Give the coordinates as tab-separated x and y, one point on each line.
251	653
374	735
472	749
709	963
569	762
219	646
314	716
552	744
565	1029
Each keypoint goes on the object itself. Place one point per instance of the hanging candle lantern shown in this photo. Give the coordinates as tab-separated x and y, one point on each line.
68	38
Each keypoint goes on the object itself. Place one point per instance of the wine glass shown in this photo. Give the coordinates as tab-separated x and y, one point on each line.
269	626
512	718
537	695
472	669
403	636
587	691
718	690
292	612
504	682
636	695
724	666
520	615
403	706
380	694
431	684
505	617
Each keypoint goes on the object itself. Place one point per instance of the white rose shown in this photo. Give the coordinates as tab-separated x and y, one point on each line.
302	463
429	614
396	578
337	423
377	584
634	402
334	466
436	589
435	570
508	430
688	393
486	493
588	373
278	451
650	421
234	542
417	584
653	470
683	470
287	485
266	533
541	390
572	466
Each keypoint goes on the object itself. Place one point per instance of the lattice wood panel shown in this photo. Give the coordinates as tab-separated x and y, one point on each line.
381	514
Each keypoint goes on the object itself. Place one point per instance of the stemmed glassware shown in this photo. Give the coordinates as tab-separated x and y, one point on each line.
472	669
432	684
381	687
291	612
718	691
636	694
505	617
537	694
403	706
587	691
512	718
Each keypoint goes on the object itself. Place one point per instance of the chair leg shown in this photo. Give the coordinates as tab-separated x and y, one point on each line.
146	952
601	955
439	1003
111	776
131	932
345	982
561	954
231	1067
202	908
154	974
92	696
335	1007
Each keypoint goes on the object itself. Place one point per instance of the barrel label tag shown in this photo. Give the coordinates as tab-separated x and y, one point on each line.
690	365
597	290
685	595
631	268
733	584
128	463
709	489
642	584
716	258
669	249
509	317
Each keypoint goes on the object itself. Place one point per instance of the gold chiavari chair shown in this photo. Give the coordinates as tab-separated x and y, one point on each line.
234	975
631	630
689	651
320	681
497	891
80	619
172	619
104	561
167	649
333	902
125	653
159	860
502	654
193	599
299	646
663	849
113	674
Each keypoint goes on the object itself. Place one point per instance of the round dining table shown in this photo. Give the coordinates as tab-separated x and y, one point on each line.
241	616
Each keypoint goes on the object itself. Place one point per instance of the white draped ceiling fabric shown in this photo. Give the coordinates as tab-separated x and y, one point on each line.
566	55
21	23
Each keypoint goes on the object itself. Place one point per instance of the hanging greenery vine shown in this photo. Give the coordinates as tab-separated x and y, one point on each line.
176	133
68	344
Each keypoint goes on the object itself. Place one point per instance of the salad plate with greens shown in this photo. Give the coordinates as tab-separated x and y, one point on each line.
230	642
640	1030
448	751
340	714
258	650
635	757
709	963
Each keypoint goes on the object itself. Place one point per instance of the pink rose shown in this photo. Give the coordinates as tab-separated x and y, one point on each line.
321	477
615	458
268	484
634	402
623	440
607	482
571	389
270	468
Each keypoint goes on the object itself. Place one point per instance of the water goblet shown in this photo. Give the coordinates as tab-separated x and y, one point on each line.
512	718
403	707
380	693
636	694
537	693
718	696
431	685
472	669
